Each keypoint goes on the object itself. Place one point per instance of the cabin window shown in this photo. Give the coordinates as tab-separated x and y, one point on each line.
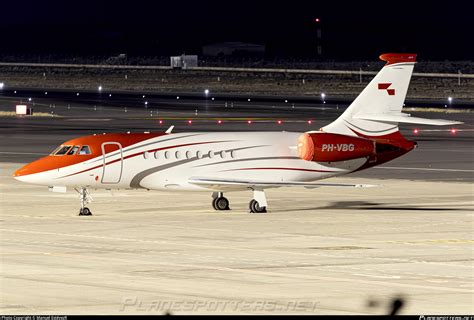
146	154
63	150
232	154
199	155
167	154
222	154
188	155
177	155
157	154
85	150
73	150
210	154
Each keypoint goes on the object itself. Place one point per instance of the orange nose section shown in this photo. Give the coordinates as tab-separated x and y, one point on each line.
23	171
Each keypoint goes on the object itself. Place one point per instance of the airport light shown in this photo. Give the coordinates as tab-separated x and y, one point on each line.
450	99
77	94
248	100
190	121
249	121
310	122
453	131
110	95
219	122
2	85
146	103
279	122
99	88
161	121
177	98
415	131
206	92
317	20
46	92
29	99
323	95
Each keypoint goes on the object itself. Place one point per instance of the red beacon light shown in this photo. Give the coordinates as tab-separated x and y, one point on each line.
453	131
249	121
161	121
317	20
279	122
416	131
190	121
219	121
310	122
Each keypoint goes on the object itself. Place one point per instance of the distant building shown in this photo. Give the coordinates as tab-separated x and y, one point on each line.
184	61
233	49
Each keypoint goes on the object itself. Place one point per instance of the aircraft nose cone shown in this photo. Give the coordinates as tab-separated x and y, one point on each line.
20	172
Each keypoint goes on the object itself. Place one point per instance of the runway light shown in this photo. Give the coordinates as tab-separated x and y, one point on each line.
46	92
29	99
323	95
415	131
143	96
450	99
286	101
77	94
453	131
146	102
310	122
212	99
177	98
99	88
2	85
206	92
248	100
110	95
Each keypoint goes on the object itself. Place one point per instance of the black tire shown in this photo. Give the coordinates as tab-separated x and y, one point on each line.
85	212
214	203
255	207
222	203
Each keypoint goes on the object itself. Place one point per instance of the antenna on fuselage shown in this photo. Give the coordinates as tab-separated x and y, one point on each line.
169	130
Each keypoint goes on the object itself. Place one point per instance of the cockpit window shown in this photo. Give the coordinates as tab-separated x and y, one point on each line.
85	150
62	151
55	150
73	150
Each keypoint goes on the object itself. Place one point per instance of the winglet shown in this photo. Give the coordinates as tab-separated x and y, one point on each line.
393	58
169	130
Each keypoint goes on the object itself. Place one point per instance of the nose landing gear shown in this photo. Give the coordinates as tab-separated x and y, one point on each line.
85	198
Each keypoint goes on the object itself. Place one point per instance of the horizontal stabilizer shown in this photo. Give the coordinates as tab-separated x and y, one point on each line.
405	118
215	182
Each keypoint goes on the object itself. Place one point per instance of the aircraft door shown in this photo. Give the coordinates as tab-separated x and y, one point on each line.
112	162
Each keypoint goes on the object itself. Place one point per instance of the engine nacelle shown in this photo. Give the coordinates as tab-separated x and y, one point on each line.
331	147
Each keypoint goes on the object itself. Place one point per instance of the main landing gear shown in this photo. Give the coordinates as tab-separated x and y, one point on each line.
257	205
219	202
85	198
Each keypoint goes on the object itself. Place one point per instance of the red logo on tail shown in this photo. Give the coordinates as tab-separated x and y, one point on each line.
386	86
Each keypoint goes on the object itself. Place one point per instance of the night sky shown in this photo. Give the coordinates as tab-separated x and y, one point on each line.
350	30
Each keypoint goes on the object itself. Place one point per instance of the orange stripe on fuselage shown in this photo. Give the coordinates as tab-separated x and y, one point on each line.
52	162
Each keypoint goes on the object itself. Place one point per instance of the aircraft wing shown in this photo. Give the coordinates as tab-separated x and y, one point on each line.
226	183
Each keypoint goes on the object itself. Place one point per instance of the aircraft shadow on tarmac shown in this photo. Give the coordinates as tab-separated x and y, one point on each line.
364	205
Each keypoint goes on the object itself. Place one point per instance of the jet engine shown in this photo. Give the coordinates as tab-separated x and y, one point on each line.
331	147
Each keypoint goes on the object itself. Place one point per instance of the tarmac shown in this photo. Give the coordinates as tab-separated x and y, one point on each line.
317	251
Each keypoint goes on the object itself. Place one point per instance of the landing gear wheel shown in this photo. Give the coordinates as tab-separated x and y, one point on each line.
255	207
85	212
221	204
